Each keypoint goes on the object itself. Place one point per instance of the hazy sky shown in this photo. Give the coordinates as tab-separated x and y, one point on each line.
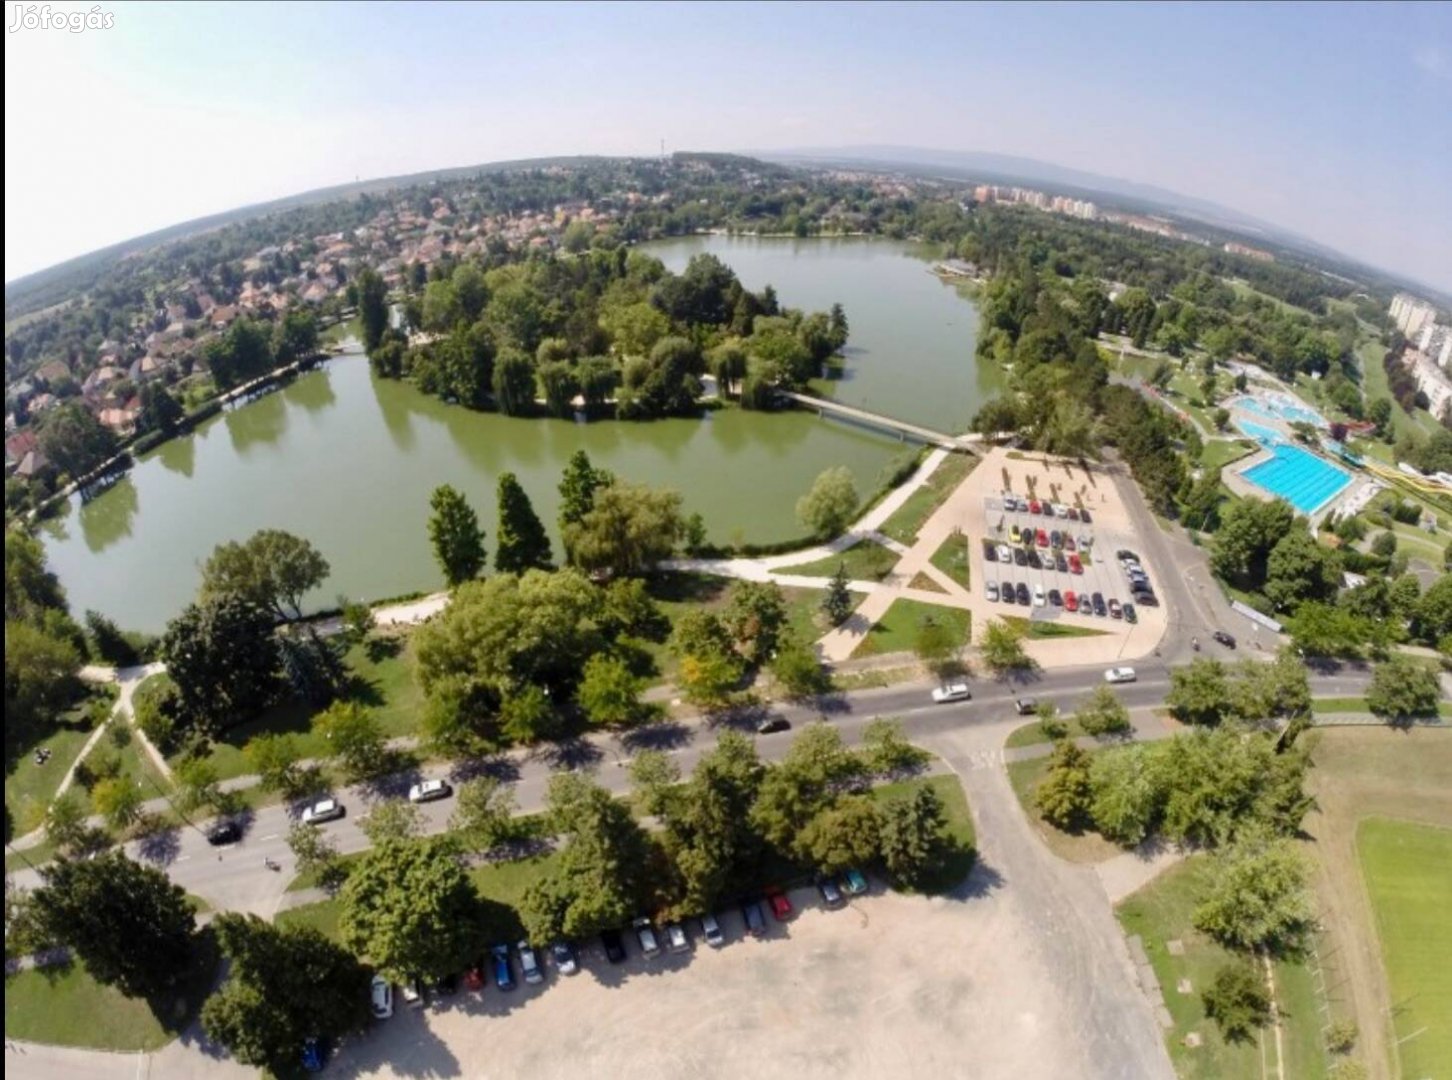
1334	121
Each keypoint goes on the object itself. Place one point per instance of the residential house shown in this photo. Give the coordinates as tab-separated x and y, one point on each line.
17	446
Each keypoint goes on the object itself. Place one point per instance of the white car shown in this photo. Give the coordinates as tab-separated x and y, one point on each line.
676	939
711	931
529	963
951	692
429	790
1004	555
322	810
381	997
1038	596
1120	674
990	589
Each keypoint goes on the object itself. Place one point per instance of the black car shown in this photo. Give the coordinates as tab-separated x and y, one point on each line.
1125	553
1129	613
1100	608
1055	598
1085	518
990	551
224	832
1061	564
614	945
1019	557
1021	593
1224	639
1035	563
1145	598
1005	593
752	915
772	724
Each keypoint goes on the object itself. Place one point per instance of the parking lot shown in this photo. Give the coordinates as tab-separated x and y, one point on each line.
1002	490
890	985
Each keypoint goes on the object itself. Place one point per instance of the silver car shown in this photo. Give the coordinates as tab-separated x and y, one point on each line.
322	810
711	931
677	940
529	963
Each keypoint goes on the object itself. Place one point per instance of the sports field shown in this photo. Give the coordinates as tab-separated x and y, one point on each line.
1408	872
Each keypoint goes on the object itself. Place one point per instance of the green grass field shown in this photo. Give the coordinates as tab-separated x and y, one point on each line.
898	628
1036	629
865	561
29	788
904	524
1407	867
1160	913
952	557
1219	453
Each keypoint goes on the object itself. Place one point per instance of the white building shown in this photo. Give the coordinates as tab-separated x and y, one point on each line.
1411	314
1432	382
1436	341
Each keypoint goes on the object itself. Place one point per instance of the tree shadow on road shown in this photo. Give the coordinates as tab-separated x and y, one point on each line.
496	767
160	846
980	881
569	754
664	735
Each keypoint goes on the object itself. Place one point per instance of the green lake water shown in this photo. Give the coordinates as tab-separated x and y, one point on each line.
348	460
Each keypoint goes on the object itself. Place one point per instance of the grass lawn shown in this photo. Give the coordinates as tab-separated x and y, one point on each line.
1331	706
898	629
29	788
952	558
1405	866
135	764
382	679
922	580
1086	847
66	1007
1034	629
866	560
1219	453
959	826
1032	734
904	524
1161	912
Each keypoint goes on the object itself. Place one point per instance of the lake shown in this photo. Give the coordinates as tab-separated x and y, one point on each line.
348	461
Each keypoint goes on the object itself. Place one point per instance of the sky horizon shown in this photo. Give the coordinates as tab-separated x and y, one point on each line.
1331	121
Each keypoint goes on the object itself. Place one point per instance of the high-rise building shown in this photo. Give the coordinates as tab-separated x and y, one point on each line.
1411	314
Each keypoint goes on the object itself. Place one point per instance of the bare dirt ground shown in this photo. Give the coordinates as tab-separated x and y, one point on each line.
1362	772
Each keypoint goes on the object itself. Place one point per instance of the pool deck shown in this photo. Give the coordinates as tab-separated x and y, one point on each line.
1244	488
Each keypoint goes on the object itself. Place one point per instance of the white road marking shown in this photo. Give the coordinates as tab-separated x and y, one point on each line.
269	836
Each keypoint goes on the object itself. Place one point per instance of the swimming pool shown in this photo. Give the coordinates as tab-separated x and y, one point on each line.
1262	434
1298	476
1280	407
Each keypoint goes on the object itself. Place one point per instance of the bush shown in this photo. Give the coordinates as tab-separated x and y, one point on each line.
1238	1001
1341	1037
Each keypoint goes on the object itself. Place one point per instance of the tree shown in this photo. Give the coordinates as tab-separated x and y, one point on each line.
65	824
797	669
828	507
1128	796
411	909
526	714
284	985
1200	693
484	812
846	835
514	382
756	614
392	820
886	750
1331	630
913	835
655	776
1238	1001
1065	794
108	642
1432	614
1257	898
600	878
40	673
522	544
355	740
806	781
294	337
1299	568
578	485
159	410
198	784
1379	412
1102	713
1249	529
223	660
130	926
456	536
1267	691
610	692
276	759
372	307
628	529
74	441
837	603
1402	689
272	569
1002	648
707	681
118	800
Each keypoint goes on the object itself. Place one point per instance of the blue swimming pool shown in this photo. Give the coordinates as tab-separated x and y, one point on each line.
1280	407
1301	478
1262	434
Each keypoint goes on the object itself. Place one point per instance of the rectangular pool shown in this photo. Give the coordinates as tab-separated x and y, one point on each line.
1301	478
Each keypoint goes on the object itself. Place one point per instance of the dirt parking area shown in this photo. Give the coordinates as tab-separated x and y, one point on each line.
890	985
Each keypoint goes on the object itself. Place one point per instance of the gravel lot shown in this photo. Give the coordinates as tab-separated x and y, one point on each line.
888	986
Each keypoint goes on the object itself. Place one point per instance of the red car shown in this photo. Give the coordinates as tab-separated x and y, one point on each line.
781	907
1033	506
1075	566
474	977
1042	538
1071	601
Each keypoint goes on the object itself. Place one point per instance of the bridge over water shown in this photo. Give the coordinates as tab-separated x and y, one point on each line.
970	444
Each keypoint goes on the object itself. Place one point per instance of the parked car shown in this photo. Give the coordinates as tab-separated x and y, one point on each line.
1115	611
1224	639
772	724
223	832
1020	557
1004	554
1055	539
1073	513
951	692
781	906
1146	598
322	810
752	915
380	997
503	971
1021	593
1076	565
429	790
1042	538
1068	542
1061	564
474	976
314	1054
1035	563
711	931
1120	675
1014	535
1005	593
831	895
853	882
1039	598
1125	553
1033	506
990	553
990	590
413	992
1025	706
1071	600
1056	598
1130	615
1099	607
529	965
563	954
614	945
1084	517
677	941
1060	510
446	985
645	934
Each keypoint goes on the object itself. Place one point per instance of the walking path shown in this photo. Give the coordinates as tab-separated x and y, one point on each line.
880	420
